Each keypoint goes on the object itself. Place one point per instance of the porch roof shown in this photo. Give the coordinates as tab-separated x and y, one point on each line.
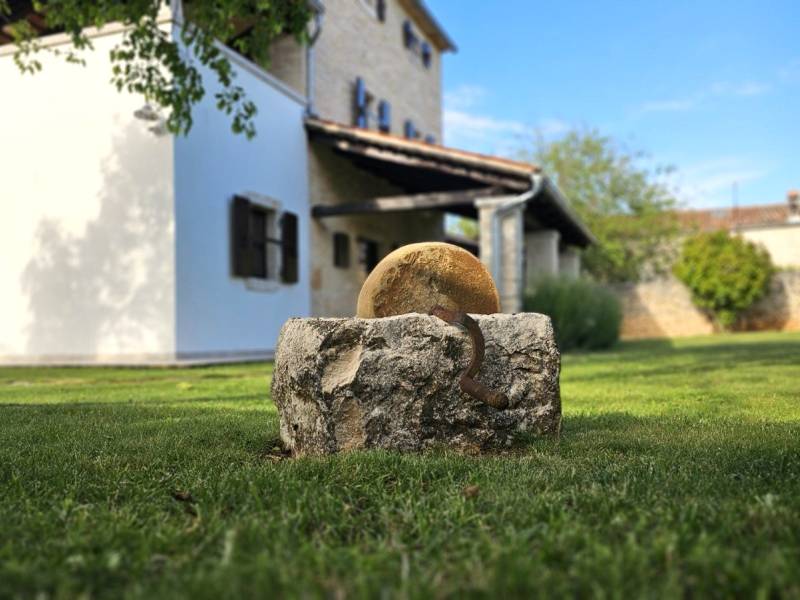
436	177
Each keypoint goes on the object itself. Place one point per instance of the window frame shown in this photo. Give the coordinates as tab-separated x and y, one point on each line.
341	250
272	210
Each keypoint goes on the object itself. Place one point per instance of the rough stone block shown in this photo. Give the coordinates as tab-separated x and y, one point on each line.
344	384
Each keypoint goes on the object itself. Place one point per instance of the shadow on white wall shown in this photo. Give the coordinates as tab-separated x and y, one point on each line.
111	288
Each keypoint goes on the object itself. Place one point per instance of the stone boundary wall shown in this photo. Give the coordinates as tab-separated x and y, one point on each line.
664	308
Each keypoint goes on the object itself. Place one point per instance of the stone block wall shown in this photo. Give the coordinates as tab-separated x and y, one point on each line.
664	308
335	180
355	43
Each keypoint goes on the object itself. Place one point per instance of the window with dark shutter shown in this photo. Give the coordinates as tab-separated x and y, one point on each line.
380	10
409	37
384	116
341	250
361	102
289	248
409	130
260	249
367	254
426	54
240	237
258	243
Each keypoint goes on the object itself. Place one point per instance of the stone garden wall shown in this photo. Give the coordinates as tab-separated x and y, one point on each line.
664	308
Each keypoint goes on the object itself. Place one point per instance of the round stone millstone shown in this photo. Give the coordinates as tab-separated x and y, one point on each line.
417	277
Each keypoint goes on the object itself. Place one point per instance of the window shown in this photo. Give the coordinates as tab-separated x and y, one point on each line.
410	39
264	246
426	54
341	250
409	130
377	8
384	116
367	254
362	100
430	139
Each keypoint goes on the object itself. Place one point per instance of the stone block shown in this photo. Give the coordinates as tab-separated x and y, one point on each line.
351	383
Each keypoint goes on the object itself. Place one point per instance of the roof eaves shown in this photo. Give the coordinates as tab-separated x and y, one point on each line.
563	205
430	25
386	140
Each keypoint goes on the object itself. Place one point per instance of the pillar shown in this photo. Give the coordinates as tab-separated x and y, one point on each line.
507	267
569	263
541	254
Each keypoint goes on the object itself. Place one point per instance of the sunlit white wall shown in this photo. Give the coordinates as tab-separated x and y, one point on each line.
87	230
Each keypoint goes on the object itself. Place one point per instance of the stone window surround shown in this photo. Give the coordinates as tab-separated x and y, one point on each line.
273	208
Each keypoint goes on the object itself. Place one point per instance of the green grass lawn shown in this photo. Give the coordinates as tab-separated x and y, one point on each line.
677	474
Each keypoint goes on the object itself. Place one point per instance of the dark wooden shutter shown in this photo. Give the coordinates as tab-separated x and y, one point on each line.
241	262
426	54
360	101
341	250
384	116
289	248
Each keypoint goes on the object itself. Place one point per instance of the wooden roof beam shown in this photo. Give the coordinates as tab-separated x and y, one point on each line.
412	202
385	155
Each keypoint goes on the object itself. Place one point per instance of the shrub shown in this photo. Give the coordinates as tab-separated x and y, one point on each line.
726	274
585	315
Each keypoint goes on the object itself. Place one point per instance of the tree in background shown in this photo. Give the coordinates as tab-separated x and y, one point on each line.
148	61
725	273
629	211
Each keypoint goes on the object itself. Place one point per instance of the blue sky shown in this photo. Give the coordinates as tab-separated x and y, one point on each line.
711	87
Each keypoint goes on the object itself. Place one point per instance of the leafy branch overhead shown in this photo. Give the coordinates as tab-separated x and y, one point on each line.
150	60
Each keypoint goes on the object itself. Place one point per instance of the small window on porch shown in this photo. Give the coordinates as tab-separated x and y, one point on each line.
367	254
341	250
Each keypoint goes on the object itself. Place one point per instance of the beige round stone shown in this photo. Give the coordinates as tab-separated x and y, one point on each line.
417	277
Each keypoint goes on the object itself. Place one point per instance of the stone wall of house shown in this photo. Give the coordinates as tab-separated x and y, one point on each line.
354	43
334	180
782	242
663	308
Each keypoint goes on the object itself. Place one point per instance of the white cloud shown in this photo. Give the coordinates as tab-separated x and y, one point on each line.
464	97
790	73
747	88
719	89
710	183
467	126
667	106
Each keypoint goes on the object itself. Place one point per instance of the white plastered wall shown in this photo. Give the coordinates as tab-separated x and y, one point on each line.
87	230
218	315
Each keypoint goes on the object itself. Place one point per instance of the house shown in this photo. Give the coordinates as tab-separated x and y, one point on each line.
125	244
663	307
776	227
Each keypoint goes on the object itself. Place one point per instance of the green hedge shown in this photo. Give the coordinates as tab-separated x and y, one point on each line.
585	315
725	273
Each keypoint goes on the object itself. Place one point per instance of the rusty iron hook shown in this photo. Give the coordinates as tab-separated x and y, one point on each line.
468	383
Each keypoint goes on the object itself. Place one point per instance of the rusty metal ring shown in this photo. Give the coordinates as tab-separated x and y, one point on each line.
468	383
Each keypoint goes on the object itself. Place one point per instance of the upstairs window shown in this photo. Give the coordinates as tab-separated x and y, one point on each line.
264	244
410	39
384	116
376	8
341	250
426	54
361	100
409	130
